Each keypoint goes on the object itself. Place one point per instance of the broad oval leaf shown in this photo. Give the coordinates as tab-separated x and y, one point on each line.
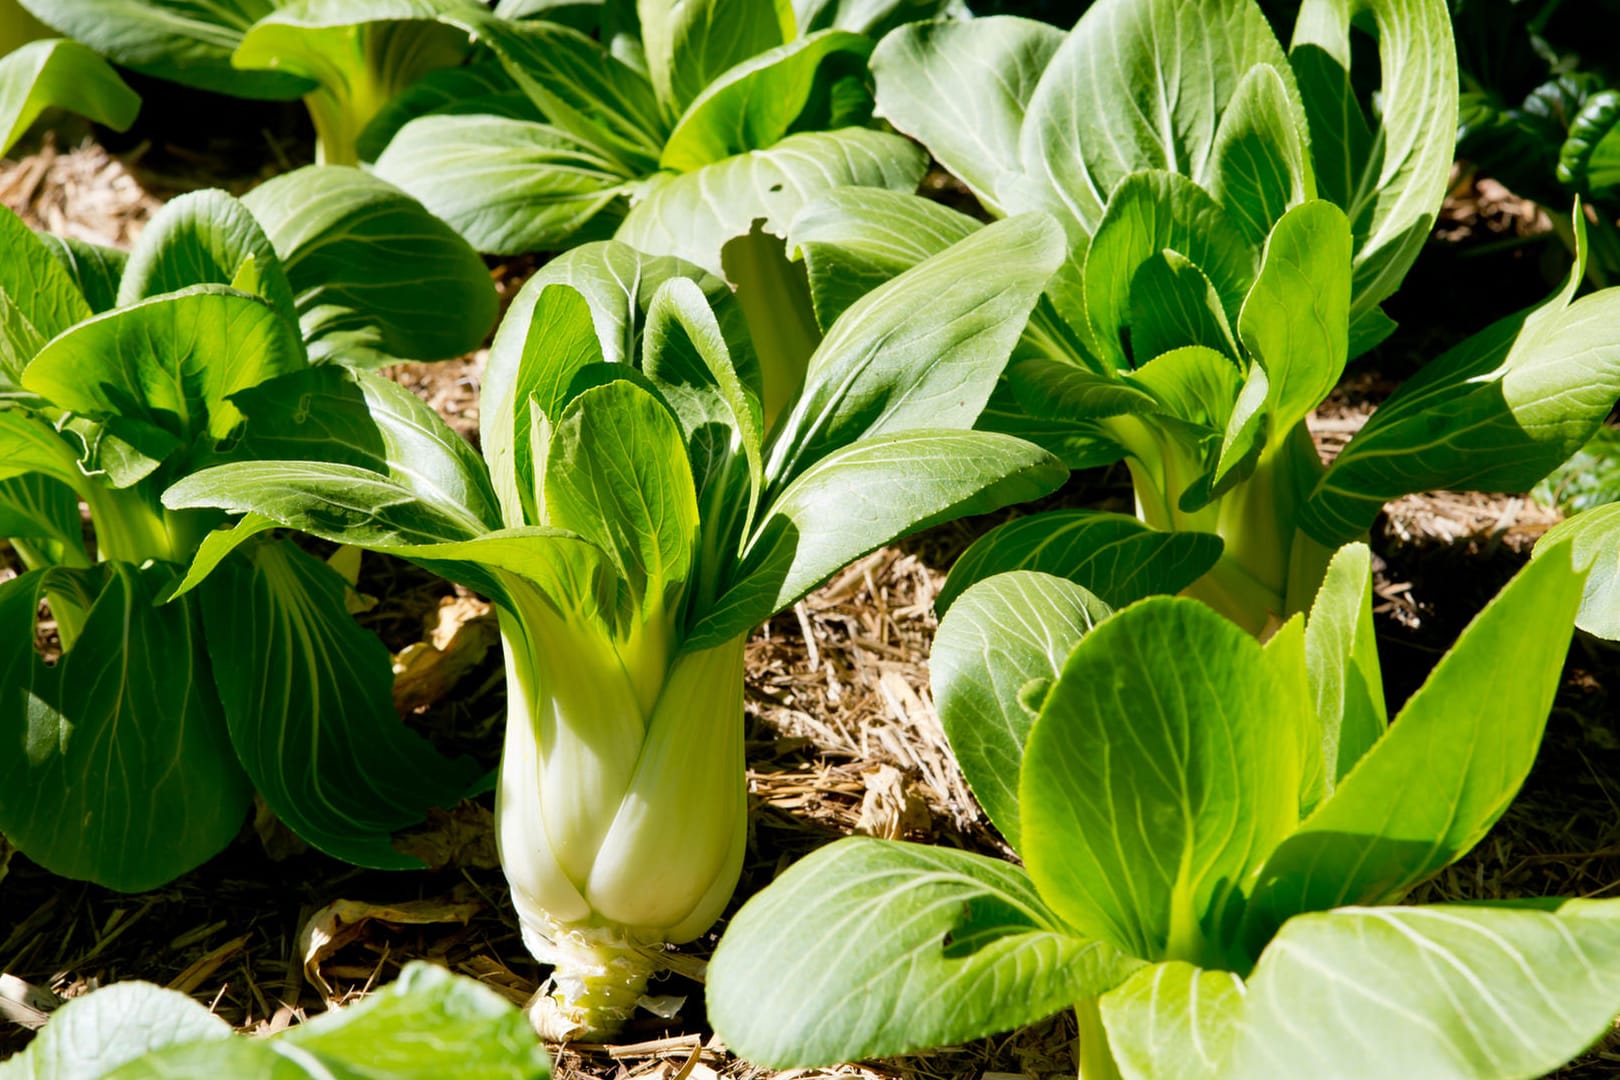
130	812
853	240
1295	321
38	298
962	88
923	350
1113	556
95	269
203	238
690	43
333	415
692	215
507	186
371	270
1453	991
993	658
753	105
617	474
1341	655
1174	1020
1148	213
91	1036
1495	413
308	697
1260	166
1141	84
1161	773
1389	182
860	497
170	363
481	88
42	74
945	945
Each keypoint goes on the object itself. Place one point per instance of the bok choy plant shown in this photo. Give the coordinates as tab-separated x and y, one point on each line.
681	127
41	74
427	1022
1215	838
1234	218
130	760
345	58
634	519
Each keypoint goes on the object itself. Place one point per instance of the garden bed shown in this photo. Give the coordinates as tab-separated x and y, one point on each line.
842	734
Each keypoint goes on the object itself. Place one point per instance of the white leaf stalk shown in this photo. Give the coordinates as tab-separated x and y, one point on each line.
621	808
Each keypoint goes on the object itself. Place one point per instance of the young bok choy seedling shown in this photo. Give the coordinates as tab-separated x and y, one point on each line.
345	58
129	761
1215	836
634	519
1235	216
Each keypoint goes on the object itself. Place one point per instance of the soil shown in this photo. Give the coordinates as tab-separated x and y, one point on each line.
842	736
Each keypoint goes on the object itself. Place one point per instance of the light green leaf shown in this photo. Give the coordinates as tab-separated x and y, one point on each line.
1388	181
89	1037
962	88
1058	390
96	270
1448	992
1260	166
1341	653
42	512
945	946
481	88
690	44
358	53
507	186
757	102
168	364
579	86
203	238
42	74
1495	413
1141	84
1173	305
687	359
38	299
1448	767
860	497
1158	777
1174	1020
372	270
130	812
425	1025
617	474
30	444
308	697
1114	556
1149	212
1295	322
180	40
1008	635
922	350
328	414
345	504
692	215
1594	539
853	240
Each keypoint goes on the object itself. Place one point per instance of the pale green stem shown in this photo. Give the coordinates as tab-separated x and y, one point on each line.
1096	1057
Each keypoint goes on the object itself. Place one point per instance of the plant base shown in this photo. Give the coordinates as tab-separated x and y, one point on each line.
598	976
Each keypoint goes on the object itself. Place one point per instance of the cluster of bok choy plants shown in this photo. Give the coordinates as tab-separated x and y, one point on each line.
756	356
